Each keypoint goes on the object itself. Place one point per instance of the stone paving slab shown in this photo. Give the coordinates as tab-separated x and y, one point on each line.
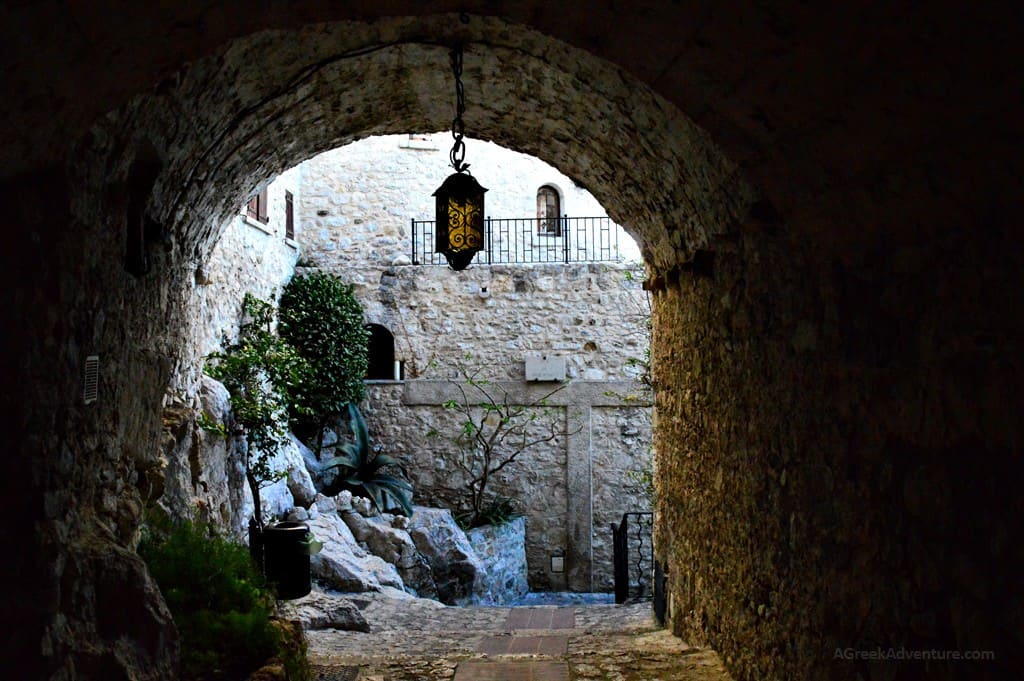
541	618
512	671
550	646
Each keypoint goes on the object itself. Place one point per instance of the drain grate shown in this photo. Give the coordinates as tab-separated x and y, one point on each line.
336	674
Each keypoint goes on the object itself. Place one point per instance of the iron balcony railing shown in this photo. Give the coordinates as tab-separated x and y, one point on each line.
530	240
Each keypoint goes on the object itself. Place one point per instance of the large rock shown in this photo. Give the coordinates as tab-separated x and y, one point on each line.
200	472
444	545
323	611
215	401
296	462
344	565
380	538
275	499
295	489
502	551
396	547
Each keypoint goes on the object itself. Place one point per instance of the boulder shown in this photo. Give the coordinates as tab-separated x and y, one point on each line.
342	564
396	547
451	557
300	482
502	551
323	611
295	489
363	507
199	473
275	499
343	501
308	457
325	504
297	513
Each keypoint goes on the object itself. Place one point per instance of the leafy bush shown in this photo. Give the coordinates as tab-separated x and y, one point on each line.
323	321
219	602
361	470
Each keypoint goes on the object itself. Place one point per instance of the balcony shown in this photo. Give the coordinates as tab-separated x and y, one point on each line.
510	241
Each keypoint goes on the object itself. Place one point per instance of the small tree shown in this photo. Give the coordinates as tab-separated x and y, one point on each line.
494	432
262	373
321	318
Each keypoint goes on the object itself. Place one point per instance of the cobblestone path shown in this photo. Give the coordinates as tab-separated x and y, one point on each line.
419	640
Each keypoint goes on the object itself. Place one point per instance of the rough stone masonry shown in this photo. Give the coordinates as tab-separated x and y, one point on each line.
828	198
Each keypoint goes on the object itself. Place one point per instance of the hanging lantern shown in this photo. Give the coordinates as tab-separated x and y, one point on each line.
459	220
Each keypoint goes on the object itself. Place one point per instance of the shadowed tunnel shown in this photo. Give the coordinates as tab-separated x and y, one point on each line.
827	202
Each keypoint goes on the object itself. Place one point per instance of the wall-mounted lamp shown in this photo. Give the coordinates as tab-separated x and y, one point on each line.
459	226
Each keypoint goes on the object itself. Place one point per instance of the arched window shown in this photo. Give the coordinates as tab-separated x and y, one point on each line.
381	366
549	211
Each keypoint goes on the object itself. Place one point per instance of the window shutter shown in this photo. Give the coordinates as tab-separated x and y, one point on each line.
289	215
262	213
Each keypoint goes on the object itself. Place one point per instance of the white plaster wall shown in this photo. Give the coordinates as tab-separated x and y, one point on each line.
250	257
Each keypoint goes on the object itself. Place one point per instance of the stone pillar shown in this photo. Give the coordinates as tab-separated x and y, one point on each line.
579	505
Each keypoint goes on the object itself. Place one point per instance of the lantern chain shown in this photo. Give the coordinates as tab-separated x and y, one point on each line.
458	153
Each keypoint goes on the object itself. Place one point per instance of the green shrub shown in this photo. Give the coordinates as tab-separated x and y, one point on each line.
220	603
323	321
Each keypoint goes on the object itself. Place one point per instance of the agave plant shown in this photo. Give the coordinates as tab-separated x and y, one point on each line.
360	470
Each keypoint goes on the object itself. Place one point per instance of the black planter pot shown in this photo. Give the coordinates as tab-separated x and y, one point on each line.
282	552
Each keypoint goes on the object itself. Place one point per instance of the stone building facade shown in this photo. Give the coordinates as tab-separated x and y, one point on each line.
352	208
356	208
358	201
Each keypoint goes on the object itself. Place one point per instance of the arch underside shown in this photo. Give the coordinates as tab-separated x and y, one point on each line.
274	99
821	381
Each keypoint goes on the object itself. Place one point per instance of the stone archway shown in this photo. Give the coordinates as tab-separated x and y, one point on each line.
824	378
262	104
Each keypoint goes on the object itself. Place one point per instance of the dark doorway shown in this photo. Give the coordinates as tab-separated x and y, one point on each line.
381	354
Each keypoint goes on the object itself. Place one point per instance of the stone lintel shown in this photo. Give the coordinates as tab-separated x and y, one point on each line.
573	393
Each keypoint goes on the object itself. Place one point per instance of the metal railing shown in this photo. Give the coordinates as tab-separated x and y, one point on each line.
633	556
530	240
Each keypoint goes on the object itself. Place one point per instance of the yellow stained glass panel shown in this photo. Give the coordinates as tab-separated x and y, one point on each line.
464	226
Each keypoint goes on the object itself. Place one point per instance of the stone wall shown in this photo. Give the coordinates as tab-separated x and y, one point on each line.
355	209
828	479
358	200
622	452
489	320
198	473
593	315
249	257
570	489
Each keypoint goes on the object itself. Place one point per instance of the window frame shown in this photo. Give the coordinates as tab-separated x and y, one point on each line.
548	225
